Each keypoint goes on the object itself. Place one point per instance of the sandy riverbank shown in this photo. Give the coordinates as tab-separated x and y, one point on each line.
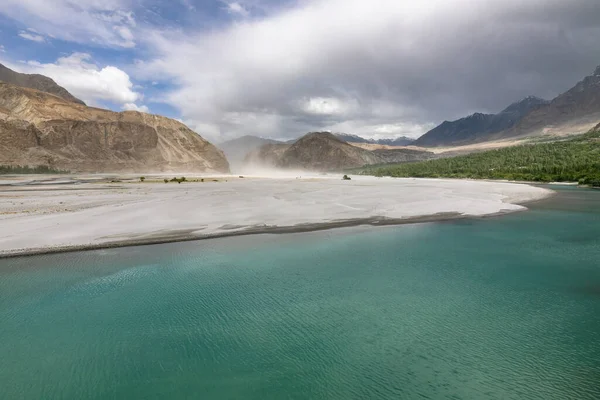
59	216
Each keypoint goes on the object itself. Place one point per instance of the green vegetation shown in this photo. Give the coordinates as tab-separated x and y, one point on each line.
572	160
142	178
178	180
346	178
24	169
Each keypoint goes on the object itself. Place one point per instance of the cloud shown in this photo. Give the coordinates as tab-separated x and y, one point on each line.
34	37
325	106
134	107
84	79
283	68
394	66
236	8
103	23
2	49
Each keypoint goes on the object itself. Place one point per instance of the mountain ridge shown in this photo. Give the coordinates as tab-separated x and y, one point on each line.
37	82
323	151
479	126
351	138
577	109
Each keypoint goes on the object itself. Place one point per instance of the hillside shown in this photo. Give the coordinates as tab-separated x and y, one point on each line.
322	151
37	82
316	151
574	111
573	160
40	129
478	127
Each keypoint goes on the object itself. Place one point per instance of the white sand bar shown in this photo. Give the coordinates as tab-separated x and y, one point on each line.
52	217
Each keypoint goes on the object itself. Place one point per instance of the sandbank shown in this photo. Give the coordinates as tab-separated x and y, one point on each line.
43	215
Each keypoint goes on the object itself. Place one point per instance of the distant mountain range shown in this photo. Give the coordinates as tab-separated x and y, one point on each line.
572	112
575	111
37	82
400	141
478	126
324	151
238	149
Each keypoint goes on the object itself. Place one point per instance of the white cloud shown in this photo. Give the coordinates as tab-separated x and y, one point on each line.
2	49
236	8
34	37
85	80
325	106
383	66
102	22
135	107
125	34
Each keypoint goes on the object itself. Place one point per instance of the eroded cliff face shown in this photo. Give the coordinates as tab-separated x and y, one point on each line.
37	128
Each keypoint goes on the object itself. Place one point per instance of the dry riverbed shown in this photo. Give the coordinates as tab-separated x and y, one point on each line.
39	214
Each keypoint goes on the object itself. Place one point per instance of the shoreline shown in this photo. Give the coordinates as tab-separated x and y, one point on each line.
97	233
176	237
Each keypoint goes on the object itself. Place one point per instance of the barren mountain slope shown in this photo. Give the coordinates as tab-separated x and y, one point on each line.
37	128
36	81
575	111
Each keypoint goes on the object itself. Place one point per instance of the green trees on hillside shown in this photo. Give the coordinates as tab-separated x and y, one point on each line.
574	160
24	169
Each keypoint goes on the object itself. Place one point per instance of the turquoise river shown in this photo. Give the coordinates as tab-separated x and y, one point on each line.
496	308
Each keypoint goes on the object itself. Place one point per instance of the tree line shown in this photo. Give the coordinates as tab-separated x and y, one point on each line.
572	160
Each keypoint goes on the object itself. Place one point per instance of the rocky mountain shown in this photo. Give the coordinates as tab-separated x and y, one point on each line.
479	127
400	141
323	151
38	128
35	81
236	150
574	111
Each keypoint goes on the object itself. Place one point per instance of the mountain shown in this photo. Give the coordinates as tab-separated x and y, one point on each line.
400	141
479	127
37	128
349	138
322	151
236	150
574	111
319	151
38	82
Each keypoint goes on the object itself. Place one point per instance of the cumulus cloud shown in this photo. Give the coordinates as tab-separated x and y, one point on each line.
84	79
393	66
104	23
135	107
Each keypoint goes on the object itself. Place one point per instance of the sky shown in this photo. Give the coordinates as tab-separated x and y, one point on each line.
279	69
